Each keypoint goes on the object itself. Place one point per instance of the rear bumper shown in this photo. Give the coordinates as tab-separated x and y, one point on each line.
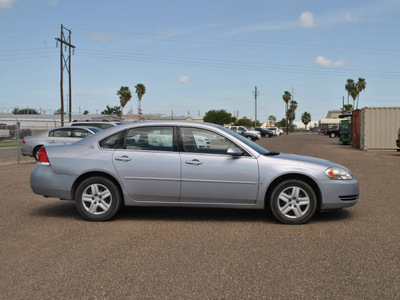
45	182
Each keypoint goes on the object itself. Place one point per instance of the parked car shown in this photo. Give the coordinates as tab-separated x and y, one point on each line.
315	129
264	132
64	135
118	166
12	131
275	131
104	124
398	140
243	130
333	132
247	134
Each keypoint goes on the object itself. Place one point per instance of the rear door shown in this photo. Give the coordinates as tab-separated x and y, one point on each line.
148	165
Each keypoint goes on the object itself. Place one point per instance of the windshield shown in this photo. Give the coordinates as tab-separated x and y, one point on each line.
249	143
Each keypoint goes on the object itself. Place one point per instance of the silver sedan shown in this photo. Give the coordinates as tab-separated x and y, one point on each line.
160	164
64	135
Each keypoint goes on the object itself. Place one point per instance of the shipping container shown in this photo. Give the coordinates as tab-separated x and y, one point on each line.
379	127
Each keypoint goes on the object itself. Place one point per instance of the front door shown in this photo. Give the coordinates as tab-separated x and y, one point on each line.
209	175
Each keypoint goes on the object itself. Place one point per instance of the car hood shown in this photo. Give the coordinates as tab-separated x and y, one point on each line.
301	162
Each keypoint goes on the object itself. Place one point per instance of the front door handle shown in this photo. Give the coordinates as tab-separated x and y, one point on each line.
194	162
123	158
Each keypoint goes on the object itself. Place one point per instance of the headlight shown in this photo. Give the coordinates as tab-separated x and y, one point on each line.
339	174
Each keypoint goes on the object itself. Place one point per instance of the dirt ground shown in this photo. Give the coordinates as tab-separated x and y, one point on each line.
48	252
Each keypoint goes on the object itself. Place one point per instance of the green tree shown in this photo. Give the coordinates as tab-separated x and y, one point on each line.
220	117
116	110
140	91
271	119
246	122
86	112
25	111
361	85
286	98
125	95
58	112
347	107
291	113
306	118
281	123
349	87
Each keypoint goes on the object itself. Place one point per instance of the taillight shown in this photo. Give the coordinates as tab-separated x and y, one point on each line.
43	159
23	141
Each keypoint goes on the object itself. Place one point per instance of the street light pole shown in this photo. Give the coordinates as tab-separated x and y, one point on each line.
255	106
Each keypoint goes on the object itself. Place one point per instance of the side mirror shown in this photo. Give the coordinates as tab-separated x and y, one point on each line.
234	151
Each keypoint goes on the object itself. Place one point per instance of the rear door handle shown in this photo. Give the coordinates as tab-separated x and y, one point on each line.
123	158
194	162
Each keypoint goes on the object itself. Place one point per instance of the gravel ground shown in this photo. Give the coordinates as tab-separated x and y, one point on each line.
49	252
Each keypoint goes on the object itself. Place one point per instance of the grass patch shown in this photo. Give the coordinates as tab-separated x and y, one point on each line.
9	143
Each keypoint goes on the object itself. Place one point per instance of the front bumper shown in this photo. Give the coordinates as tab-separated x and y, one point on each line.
339	193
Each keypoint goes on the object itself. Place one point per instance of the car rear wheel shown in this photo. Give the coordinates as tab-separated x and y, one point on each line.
36	152
98	199
293	202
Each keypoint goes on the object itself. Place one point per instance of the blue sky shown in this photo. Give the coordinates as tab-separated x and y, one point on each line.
198	55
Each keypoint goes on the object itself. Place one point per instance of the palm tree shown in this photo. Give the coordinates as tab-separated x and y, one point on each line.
306	118
361	84
124	96
348	87
292	109
271	119
140	91
286	98
354	93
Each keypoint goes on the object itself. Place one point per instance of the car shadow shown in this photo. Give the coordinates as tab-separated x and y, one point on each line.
193	214
67	209
59	209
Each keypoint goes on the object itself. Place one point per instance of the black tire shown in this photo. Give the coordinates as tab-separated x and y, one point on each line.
36	152
98	199
293	202
332	135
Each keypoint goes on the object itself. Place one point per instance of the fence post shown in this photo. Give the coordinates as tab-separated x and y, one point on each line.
17	139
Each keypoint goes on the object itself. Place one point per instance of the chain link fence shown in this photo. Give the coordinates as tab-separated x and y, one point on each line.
12	133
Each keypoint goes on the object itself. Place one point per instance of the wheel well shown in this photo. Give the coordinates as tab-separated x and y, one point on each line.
37	147
92	174
285	177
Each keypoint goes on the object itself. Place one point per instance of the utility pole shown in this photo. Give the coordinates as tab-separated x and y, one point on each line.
255	107
65	63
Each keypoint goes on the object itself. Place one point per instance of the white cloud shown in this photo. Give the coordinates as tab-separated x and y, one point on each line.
7	3
329	62
103	37
349	17
323	61
184	79
340	62
307	19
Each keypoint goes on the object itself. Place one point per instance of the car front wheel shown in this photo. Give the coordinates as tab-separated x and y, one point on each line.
332	135
98	199
293	202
